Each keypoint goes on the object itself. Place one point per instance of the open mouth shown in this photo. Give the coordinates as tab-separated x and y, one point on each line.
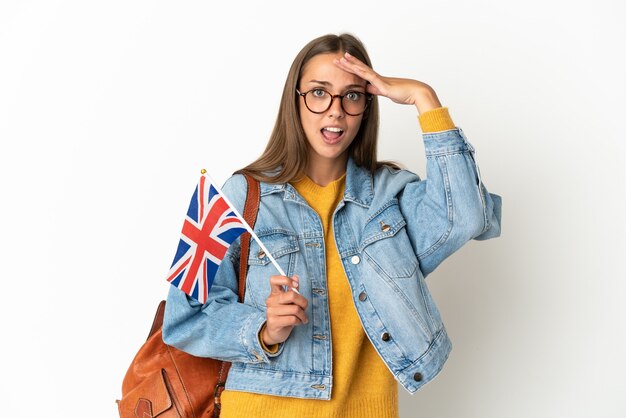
332	134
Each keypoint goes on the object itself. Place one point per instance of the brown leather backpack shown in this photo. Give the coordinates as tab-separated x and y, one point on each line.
165	382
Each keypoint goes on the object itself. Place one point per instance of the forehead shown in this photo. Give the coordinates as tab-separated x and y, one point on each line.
321	68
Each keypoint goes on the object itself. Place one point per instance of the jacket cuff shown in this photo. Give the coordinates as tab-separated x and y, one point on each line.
251	342
448	142
436	120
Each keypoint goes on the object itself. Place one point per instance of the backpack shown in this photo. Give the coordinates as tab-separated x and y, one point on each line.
165	382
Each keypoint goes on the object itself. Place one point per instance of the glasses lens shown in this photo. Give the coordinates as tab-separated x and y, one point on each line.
354	103
318	100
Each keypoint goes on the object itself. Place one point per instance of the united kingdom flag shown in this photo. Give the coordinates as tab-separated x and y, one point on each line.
210	227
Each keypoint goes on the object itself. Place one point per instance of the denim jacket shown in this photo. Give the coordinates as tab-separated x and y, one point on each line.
391	230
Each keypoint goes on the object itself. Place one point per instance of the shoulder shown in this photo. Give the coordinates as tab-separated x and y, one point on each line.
391	181
235	189
384	186
376	189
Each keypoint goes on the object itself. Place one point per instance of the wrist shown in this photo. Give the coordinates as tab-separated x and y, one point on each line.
271	348
265	338
426	99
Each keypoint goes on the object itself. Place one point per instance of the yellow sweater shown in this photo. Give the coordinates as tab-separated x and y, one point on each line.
362	384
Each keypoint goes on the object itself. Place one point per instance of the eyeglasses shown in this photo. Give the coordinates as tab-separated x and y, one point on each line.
319	100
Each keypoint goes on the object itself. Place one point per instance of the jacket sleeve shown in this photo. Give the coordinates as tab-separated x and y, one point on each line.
222	328
452	205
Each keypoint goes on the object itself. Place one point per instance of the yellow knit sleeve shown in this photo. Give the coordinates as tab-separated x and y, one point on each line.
272	349
436	120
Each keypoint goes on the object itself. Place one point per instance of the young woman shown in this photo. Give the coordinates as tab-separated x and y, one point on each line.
355	237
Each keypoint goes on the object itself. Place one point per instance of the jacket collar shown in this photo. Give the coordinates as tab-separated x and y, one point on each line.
359	186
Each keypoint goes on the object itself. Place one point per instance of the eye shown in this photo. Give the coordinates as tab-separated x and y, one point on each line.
318	93
353	96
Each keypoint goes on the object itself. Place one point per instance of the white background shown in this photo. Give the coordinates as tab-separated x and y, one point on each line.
108	110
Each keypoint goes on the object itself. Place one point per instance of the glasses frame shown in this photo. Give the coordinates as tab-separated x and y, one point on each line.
368	98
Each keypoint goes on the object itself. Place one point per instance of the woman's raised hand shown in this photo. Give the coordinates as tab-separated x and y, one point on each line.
400	90
285	309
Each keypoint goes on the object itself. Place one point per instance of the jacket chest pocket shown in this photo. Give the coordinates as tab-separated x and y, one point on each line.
386	244
283	246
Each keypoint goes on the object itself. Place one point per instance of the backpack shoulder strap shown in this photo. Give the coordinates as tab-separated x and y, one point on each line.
250	210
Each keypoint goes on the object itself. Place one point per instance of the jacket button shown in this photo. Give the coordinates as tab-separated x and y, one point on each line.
355	259
362	296
384	227
386	336
418	377
261	254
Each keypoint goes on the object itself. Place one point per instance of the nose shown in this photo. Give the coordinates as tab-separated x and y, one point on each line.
336	109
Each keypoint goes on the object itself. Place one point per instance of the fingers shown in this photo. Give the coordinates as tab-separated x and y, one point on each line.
355	66
279	295
285	308
279	283
399	90
286	315
377	84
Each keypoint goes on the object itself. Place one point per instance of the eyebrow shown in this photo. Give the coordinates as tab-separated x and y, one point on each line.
328	84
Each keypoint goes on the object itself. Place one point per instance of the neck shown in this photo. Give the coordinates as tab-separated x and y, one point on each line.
322	172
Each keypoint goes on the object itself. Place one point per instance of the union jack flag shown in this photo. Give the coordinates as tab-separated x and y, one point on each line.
210	227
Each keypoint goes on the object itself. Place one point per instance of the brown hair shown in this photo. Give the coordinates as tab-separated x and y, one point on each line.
286	154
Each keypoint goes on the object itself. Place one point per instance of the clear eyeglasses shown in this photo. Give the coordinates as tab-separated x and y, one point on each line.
318	100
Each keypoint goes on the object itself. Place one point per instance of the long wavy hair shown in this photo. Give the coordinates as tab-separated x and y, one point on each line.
286	154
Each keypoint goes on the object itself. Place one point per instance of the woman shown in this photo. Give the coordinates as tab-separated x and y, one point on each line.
355	237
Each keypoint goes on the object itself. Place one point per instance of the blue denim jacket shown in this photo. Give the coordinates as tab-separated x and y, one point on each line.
391	230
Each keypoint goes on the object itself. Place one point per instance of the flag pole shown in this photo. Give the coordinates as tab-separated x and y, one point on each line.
245	224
